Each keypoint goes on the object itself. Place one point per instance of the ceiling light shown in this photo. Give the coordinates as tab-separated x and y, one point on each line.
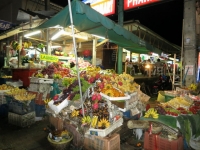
55	46
59	33
100	37
32	33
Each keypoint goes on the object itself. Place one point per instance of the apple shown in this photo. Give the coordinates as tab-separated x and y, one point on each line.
55	97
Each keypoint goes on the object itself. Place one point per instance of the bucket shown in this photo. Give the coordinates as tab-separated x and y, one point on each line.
62	145
161	96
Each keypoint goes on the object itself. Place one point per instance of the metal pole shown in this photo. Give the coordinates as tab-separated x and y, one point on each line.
181	62
75	53
120	49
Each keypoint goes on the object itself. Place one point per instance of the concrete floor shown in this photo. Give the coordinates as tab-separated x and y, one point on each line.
34	137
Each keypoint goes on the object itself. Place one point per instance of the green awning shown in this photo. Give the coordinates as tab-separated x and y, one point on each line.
86	19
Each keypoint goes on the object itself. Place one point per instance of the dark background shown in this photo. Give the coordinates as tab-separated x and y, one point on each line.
164	18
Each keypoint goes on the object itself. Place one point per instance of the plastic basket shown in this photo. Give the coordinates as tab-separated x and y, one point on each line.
62	145
21	120
21	108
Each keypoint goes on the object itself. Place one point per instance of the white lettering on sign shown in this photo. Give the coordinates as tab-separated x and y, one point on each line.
4	26
106	7
137	3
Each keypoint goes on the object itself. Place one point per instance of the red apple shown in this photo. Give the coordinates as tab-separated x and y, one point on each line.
55	97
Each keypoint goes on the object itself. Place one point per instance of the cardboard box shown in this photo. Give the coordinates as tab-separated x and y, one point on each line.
92	142
56	122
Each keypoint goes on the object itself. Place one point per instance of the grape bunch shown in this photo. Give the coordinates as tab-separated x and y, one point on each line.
72	91
160	110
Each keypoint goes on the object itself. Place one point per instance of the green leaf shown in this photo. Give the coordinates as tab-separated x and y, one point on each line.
167	120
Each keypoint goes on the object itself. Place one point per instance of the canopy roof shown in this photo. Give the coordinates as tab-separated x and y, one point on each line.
86	19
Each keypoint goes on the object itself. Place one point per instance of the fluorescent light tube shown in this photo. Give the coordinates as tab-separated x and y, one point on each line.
101	37
59	33
32	33
55	46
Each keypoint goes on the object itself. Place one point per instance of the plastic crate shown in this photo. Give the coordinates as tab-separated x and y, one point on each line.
166	144
105	132
20	107
40	110
155	142
21	120
2	99
150	142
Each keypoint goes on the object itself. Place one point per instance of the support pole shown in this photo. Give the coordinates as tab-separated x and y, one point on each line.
190	45
121	23
76	58
94	51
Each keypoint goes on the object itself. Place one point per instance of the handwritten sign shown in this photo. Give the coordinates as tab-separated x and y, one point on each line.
48	58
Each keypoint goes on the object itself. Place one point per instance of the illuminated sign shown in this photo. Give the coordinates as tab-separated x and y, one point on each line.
48	58
129	4
105	7
4	25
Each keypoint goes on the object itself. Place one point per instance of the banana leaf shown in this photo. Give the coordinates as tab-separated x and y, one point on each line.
167	120
196	119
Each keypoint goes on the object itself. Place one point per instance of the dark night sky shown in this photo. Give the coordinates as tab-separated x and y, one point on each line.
163	18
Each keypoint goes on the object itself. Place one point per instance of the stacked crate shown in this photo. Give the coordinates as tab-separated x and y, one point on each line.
41	87
21	113
3	105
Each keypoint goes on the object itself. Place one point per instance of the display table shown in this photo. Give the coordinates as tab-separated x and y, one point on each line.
23	74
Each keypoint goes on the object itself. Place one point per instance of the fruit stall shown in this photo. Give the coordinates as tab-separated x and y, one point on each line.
54	92
107	99
173	123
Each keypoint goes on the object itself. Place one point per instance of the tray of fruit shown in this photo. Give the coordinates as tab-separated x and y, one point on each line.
57	105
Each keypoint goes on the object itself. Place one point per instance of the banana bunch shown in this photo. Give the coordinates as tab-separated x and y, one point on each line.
151	113
25	44
86	120
29	44
192	87
103	123
74	113
94	121
46	101
25	97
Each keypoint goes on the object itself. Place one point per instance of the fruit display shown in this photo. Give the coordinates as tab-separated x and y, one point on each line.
16	91
94	121
86	120
71	90
123	82
6	77
179	102
151	113
25	97
6	87
56	68
110	91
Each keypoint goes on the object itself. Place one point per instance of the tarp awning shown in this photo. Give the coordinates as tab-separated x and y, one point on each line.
86	19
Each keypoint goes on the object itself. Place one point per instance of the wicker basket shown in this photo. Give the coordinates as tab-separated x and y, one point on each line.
62	145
